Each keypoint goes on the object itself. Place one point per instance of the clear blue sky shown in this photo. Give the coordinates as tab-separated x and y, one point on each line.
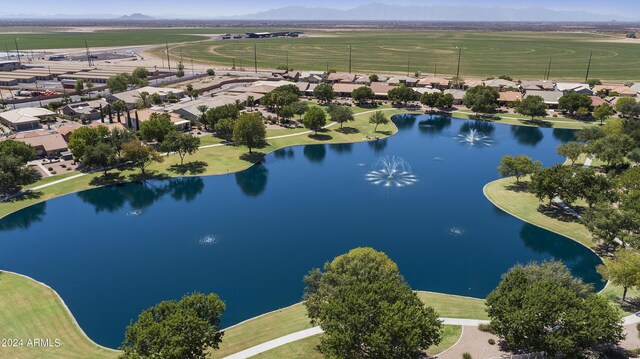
213	8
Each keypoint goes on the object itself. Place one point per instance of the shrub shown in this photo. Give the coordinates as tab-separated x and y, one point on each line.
63	166
467	356
485	328
53	172
210	72
68	168
491	341
50	168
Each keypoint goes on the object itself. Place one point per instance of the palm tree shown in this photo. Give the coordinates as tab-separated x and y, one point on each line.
203	111
144	99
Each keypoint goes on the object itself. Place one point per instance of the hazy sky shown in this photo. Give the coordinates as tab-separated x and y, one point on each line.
213	8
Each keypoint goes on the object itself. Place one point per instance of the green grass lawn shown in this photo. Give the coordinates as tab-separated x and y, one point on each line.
484	54
514	119
31	310
307	348
525	206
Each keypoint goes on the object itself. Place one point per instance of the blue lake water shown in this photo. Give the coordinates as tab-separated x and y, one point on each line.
252	236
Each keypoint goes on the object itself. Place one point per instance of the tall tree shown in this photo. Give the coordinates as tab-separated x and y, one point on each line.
249	130
362	95
623	270
324	93
518	166
14	173
176	329
181	143
315	119
532	106
378	118
628	107
157	127
402	94
140	155
481	99
101	156
533	312
340	114
367	310
602	113
573	101
571	150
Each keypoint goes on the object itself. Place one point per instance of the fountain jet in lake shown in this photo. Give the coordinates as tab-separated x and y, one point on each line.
474	137
391	171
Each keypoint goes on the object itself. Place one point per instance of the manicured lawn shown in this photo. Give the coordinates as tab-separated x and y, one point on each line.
452	306
525	205
512	119
31	310
306	348
484	54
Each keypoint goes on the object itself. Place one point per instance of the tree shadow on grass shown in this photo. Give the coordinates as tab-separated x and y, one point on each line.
538	122
518	187
107	179
348	130
253	157
320	137
386	133
24	196
558	213
148	175
193	168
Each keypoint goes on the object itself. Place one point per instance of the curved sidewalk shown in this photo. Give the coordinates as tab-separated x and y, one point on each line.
290	338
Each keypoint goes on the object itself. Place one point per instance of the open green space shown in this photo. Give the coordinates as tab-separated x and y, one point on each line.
518	120
29	310
517	54
306	348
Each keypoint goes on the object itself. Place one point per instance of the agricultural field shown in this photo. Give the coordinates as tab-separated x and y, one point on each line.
522	55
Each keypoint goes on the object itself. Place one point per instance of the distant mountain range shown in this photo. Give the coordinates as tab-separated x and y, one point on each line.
386	12
374	12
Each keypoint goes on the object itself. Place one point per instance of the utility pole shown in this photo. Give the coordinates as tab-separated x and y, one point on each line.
287	60
168	58
234	64
255	58
6	49
350	58
193	73
86	45
459	57
39	97
586	79
17	49
435	71
548	74
408	65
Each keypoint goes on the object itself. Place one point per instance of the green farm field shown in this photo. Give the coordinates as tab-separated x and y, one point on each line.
522	55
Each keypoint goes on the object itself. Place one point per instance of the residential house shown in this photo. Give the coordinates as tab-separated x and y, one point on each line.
538	85
24	119
180	123
435	82
87	110
618	90
344	90
381	89
343	77
501	84
403	80
551	98
509	97
567	87
46	143
458	95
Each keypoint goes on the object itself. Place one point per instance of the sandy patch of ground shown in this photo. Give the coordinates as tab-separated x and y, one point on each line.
618	40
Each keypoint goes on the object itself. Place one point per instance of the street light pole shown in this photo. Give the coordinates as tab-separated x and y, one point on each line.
17	49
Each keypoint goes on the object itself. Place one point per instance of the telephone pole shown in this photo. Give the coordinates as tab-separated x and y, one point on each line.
459	57
255	58
168	58
586	79
350	58
548	74
86	45
408	65
17	49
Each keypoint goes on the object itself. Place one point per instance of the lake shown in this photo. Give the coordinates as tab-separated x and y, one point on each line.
250	237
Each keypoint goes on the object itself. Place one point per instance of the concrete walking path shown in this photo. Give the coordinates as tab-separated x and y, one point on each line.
303	334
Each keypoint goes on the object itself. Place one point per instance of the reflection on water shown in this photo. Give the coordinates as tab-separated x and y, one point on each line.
342	148
404	122
315	153
528	136
564	135
284	153
24	218
434	125
253	181
378	145
142	195
486	128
